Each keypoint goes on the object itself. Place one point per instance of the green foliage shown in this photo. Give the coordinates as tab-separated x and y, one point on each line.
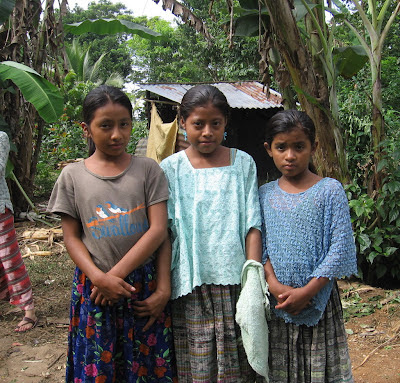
118	57
182	56
349	60
375	213
376	217
63	140
163	61
6	7
391	79
97	9
185	56
110	27
356	305
79	62
139	130
44	96
353	307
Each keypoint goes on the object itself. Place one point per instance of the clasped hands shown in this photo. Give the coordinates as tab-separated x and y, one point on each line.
290	299
111	289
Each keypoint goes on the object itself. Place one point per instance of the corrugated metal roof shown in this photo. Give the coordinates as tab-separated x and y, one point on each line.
242	95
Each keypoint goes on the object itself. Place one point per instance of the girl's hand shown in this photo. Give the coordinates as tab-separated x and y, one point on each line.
294	300
110	289
96	296
151	307
277	289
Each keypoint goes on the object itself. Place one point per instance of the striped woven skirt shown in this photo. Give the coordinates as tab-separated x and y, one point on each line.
107	343
207	339
15	285
318	354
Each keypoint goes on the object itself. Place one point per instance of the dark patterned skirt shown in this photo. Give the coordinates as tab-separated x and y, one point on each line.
207	339
107	344
318	354
15	285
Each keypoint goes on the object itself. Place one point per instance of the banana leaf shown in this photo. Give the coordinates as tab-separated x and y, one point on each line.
6	7
111	26
349	60
45	97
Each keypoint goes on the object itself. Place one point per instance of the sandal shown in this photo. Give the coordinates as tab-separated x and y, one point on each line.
27	320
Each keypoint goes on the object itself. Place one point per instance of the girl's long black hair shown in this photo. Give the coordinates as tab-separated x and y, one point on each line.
97	98
287	120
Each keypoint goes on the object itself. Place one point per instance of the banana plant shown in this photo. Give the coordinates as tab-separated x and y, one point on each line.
6	7
24	19
253	20
45	97
111	26
78	61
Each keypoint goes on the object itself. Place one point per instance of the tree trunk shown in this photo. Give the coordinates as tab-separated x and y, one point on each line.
377	128
312	89
34	41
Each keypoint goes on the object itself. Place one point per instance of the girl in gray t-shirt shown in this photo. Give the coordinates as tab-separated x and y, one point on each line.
114	219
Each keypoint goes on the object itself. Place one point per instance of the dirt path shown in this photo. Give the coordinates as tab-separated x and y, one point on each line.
374	332
39	355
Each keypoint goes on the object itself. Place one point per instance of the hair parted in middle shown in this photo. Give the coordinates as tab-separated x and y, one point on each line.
202	95
99	97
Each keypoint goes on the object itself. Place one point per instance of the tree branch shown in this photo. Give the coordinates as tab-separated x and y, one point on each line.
186	15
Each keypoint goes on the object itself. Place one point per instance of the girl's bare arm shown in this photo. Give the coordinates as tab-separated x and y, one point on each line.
112	287
253	245
153	306
275	287
142	249
147	244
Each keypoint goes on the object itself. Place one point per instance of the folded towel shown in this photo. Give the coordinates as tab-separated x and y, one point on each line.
252	311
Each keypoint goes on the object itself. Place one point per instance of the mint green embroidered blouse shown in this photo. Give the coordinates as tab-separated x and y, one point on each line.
210	212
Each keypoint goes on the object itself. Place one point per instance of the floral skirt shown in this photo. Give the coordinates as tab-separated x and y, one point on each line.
106	343
15	285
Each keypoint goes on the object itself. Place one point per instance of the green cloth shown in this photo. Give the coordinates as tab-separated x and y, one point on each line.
252	311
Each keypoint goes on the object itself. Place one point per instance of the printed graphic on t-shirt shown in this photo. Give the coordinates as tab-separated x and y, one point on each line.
113	221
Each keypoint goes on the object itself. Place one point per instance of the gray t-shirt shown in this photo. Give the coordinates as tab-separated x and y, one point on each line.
112	210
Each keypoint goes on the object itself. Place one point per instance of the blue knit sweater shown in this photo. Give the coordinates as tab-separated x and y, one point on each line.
307	235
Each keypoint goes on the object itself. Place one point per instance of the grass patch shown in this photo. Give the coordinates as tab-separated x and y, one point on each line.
356	304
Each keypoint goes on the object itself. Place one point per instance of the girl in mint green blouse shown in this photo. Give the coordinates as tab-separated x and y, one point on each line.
214	220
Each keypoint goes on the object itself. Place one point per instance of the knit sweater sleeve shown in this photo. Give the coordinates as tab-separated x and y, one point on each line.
340	257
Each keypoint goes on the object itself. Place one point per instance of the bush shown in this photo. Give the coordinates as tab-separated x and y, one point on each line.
376	214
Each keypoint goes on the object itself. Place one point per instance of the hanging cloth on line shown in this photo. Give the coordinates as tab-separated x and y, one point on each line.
162	137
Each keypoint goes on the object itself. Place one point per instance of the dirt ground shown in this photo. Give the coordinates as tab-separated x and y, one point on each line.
38	356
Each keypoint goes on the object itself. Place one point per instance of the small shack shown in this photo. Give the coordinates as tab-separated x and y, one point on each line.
251	109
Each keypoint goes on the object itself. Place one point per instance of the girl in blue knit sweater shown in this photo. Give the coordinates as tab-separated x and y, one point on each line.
307	243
